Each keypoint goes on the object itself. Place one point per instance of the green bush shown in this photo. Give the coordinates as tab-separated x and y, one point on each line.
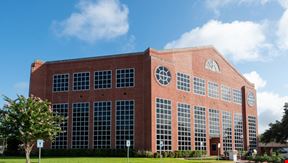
198	153
86	152
171	154
265	157
276	159
143	153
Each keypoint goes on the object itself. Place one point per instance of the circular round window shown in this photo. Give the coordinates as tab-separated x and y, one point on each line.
163	75
251	99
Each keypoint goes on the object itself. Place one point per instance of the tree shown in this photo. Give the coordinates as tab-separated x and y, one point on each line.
278	130
28	119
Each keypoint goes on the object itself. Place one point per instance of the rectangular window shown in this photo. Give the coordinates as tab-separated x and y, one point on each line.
183	82
102	124
200	128
227	130
163	124
184	127
213	90
60	82
238	131
81	81
237	96
125	77
124	123
226	93
199	86
252	132
60	141
103	79
80	125
214	126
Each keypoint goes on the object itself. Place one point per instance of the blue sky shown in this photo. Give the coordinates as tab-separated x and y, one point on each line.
252	34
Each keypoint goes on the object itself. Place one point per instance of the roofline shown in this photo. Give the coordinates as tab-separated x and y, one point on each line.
201	48
97	57
154	50
232	66
183	49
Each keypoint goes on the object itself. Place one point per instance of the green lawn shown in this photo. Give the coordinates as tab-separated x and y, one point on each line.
107	160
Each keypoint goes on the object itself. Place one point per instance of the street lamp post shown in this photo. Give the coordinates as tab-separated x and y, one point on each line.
201	147
219	146
224	137
241	151
161	145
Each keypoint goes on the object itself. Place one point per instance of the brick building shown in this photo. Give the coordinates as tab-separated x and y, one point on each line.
190	99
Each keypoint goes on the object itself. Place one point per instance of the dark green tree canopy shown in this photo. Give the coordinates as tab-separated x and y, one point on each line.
278	131
29	119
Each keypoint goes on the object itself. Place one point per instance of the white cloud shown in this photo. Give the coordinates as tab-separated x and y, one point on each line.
216	4
130	44
284	3
239	40
270	108
270	104
255	78
282	32
101	19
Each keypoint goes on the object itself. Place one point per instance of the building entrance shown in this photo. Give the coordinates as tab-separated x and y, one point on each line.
214	146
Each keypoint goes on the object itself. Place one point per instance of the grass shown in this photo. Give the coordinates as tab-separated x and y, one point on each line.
107	160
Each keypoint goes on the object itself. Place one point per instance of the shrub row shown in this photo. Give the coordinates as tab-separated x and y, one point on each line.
86	152
116	153
266	158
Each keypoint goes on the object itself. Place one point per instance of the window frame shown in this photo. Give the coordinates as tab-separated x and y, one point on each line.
111	86
79	90
181	87
194	85
68	89
218	94
155	75
134	77
115	122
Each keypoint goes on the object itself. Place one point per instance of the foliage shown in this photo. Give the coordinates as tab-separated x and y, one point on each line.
278	130
28	119
108	160
13	148
143	153
87	152
266	158
181	154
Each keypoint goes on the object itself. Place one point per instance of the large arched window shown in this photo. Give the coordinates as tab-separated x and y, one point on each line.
212	65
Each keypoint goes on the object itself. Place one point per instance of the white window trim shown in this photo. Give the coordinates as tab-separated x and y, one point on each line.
190	85
68	129
53	82
93	130
89	120
217	90
191	117
155	125
205	86
115	121
231	94
134	77
155	76
103	88
81	89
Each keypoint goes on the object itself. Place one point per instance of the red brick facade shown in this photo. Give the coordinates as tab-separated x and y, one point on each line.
146	89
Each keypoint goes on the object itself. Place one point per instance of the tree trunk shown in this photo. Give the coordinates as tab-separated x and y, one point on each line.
27	153
28	148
